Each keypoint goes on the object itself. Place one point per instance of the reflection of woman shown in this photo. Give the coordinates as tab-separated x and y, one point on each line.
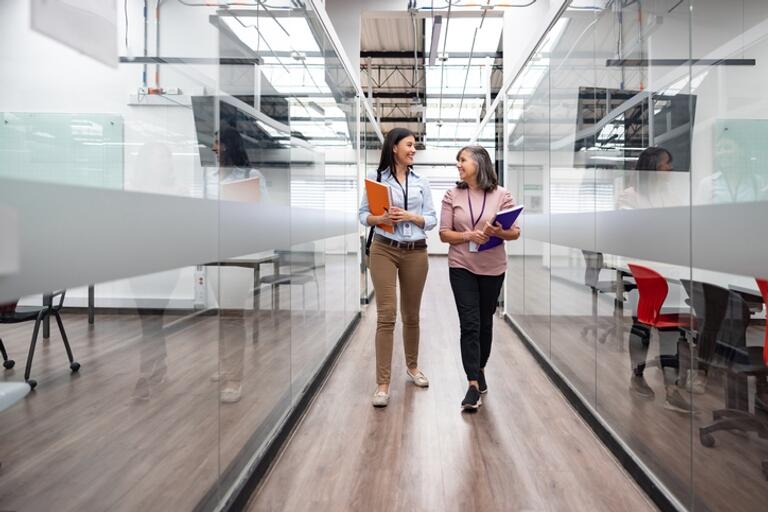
156	158
654	187
233	165
401	255
476	277
233	160
734	179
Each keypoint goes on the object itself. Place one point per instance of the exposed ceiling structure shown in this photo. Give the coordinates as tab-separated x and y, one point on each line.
440	90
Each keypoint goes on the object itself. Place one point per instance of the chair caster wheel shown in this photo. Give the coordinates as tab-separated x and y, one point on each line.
74	366
707	440
32	383
9	364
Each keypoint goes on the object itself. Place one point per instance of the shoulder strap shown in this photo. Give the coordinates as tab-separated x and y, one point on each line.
370	232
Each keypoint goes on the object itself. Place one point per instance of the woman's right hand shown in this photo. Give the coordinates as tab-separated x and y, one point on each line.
477	236
384	219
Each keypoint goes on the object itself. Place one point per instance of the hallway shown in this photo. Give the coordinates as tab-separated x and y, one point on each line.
526	449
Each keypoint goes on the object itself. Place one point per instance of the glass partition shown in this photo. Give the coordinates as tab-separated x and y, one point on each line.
180	248
646	266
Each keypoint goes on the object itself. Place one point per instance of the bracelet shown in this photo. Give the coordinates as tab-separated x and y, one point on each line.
465	236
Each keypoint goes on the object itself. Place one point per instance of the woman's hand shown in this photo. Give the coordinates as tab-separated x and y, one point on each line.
385	219
493	229
400	215
476	236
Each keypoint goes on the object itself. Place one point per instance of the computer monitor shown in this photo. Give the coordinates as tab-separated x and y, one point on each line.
614	126
257	136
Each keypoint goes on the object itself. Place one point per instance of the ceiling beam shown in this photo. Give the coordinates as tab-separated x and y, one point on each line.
387	54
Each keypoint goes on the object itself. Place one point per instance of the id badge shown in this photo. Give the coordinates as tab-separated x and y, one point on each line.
407	230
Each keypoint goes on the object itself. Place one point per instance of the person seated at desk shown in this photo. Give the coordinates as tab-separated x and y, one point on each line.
234	163
656	183
737	177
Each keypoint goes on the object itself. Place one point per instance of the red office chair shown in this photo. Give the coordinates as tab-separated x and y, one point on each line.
653	290
763	285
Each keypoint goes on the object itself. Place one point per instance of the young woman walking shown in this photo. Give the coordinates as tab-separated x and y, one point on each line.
399	256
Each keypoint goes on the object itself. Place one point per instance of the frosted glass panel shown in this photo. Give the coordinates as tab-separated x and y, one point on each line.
73	149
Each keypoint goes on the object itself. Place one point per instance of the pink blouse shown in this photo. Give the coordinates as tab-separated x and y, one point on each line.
456	216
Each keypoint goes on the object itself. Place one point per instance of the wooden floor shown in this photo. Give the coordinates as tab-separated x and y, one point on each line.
91	441
726	477
525	450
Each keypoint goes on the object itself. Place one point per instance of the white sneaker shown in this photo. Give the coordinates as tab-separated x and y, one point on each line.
418	378
380	399
697	382
231	394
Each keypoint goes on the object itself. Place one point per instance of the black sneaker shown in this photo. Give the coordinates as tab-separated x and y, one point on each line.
472	399
482	386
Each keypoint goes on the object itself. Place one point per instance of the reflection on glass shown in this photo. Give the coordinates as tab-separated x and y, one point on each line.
209	197
634	131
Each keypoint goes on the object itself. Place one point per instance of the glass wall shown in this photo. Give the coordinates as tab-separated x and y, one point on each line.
638	274
184	180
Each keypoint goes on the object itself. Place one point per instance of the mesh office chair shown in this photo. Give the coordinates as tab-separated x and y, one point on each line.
21	314
594	265
724	316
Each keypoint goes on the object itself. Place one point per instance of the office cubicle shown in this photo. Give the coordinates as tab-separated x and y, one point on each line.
205	179
608	80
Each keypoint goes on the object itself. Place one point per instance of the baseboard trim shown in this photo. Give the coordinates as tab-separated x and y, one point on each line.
655	491
254	475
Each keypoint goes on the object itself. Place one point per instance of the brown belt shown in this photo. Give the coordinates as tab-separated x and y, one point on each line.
408	246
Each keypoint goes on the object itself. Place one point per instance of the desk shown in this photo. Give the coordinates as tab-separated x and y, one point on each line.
254	262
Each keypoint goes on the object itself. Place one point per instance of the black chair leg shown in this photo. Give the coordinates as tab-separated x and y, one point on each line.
32	383
73	365
7	363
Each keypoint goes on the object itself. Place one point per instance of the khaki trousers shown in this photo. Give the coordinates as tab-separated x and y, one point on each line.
387	266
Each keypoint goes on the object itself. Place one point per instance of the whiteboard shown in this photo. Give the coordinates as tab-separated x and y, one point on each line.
71	149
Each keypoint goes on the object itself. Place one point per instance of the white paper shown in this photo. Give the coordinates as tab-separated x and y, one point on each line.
88	26
472	247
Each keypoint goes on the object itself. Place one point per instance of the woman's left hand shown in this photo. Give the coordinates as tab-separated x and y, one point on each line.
493	229
400	215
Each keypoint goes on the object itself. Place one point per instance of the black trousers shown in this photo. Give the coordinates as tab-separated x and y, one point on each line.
476	298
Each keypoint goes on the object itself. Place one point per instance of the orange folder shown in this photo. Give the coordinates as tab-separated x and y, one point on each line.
379	199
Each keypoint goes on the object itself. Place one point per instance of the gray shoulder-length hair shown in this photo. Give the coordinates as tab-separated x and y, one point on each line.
486	174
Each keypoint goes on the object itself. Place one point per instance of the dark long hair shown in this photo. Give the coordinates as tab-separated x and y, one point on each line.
231	149
650	158
393	138
486	175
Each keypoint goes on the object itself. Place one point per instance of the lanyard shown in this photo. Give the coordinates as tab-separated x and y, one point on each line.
405	190
471	213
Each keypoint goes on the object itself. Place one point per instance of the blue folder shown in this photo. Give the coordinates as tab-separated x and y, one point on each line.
506	218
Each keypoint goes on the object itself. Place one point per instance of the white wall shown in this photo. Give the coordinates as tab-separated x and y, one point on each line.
38	74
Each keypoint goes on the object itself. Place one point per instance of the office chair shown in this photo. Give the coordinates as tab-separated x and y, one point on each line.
762	285
653	289
301	270
595	264
725	347
7	363
38	314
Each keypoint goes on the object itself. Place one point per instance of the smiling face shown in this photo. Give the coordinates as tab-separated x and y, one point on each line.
405	150
467	167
